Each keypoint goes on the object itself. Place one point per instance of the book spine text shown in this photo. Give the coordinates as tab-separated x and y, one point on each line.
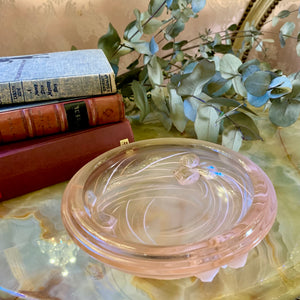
56	88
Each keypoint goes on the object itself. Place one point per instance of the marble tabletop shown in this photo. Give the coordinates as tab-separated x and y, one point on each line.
38	260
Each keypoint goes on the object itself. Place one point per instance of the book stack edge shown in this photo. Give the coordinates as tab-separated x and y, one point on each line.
46	141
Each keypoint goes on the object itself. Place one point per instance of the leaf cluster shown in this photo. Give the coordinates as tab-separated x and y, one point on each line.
200	81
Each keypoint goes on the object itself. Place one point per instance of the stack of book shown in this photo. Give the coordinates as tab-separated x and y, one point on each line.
57	112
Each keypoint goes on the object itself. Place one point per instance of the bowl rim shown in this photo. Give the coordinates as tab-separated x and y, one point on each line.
223	248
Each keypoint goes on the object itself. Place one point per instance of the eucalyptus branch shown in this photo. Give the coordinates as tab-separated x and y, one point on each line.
163	28
163	82
149	19
287	13
160	31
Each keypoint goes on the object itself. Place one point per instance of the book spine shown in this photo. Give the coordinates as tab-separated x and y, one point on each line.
57	88
30	165
42	120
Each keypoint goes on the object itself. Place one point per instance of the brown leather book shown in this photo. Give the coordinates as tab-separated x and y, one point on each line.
37	163
40	120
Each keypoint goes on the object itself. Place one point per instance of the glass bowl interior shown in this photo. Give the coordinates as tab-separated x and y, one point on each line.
169	208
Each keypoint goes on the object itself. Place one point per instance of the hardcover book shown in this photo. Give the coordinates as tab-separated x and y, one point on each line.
28	121
37	163
55	75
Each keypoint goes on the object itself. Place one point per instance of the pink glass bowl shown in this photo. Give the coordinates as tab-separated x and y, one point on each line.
169	208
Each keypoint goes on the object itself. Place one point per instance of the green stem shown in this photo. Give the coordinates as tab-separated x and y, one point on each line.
149	19
291	12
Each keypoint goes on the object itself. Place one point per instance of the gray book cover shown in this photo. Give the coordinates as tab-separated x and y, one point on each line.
56	75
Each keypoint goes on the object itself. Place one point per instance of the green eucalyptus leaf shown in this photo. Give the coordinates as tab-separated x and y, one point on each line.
164	119
168	46
239	86
167	36
175	79
175	4
179	45
229	103
232	27
294	77
126	91
258	83
206	126
243	68
186	14
140	98
156	7
132	33
179	56
141	47
284	14
287	29
159	99
177	110
295	89
173	30
146	59
216	89
245	124
154	71
143	75
275	21
260	46
126	78
217	39
221	48
138	23
124	48
229	66
298	48
281	39
248	30
193	83
152	26
232	138
285	112
165	64
280	91
144	17
109	42
217	85
228	39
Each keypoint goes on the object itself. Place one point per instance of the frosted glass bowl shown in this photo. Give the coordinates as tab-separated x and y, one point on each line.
169	208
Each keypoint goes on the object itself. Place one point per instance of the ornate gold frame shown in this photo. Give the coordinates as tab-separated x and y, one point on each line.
256	13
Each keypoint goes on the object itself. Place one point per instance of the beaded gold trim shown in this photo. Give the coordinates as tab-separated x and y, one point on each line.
256	13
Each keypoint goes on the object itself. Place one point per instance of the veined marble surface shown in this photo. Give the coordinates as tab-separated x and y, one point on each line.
38	260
